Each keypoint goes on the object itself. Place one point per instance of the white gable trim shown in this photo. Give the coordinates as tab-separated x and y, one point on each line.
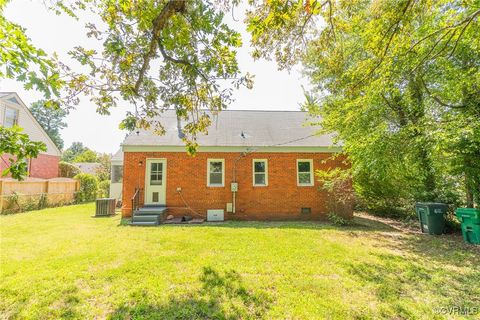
30	115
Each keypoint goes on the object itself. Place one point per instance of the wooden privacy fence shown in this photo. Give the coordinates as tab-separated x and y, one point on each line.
53	192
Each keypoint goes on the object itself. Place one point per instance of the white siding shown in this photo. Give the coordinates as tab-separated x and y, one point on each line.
116	191
28	123
116	187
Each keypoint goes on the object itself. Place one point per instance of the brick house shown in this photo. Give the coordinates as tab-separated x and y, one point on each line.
14	111
252	165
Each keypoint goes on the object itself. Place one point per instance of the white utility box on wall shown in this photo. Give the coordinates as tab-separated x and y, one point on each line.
215	215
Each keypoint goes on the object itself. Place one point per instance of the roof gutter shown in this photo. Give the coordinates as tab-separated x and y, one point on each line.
286	149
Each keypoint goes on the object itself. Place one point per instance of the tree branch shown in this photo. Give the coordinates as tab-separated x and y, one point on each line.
440	102
463	30
453	26
395	28
180	61
171	8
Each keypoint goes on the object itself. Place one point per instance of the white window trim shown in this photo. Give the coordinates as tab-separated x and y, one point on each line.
223	173
311	173
266	172
5	115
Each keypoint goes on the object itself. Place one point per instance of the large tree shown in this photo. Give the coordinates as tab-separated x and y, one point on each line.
159	55
51	119
86	156
156	55
72	152
398	81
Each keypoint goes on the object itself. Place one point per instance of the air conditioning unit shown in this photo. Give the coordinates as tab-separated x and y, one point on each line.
215	215
105	207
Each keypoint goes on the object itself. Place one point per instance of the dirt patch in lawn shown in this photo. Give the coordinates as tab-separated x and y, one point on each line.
412	228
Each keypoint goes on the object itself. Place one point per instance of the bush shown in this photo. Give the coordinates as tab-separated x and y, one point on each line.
451	223
338	184
67	170
88	187
337	220
104	189
22	203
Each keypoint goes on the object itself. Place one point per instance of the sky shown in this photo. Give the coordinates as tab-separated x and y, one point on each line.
273	89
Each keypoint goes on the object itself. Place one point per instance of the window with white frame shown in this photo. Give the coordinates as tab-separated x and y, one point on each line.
260	172
305	172
216	172
11	117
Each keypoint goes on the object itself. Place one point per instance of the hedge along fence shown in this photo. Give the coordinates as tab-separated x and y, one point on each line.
33	193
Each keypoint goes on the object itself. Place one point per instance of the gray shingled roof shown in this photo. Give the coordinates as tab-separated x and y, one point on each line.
118	156
260	128
88	167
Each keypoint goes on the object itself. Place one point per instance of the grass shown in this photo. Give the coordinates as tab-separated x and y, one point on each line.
61	263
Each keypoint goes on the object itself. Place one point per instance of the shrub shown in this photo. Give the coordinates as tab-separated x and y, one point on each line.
21	203
451	223
29	204
337	220
12	203
104	189
43	201
88	187
338	184
67	170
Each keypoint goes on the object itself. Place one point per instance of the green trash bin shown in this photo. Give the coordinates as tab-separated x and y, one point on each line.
470	222
431	216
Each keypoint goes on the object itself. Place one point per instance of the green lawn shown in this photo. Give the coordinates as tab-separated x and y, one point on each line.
63	263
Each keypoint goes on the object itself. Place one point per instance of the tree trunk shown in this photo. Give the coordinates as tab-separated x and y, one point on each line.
429	174
468	191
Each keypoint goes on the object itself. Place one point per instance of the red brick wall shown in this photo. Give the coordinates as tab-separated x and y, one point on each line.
4	162
44	166
282	199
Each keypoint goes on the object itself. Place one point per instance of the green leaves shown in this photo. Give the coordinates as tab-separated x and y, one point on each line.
51	118
397	81
21	60
160	55
17	148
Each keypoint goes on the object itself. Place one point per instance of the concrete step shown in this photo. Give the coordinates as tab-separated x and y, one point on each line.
150	210
153	206
146	218
144	223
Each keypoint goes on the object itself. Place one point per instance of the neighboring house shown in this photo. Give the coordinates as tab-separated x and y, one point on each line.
14	111
116	175
88	167
252	165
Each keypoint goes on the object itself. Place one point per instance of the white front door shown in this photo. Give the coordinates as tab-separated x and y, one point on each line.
155	181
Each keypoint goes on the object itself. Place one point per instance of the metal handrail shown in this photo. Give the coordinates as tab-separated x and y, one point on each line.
136	200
